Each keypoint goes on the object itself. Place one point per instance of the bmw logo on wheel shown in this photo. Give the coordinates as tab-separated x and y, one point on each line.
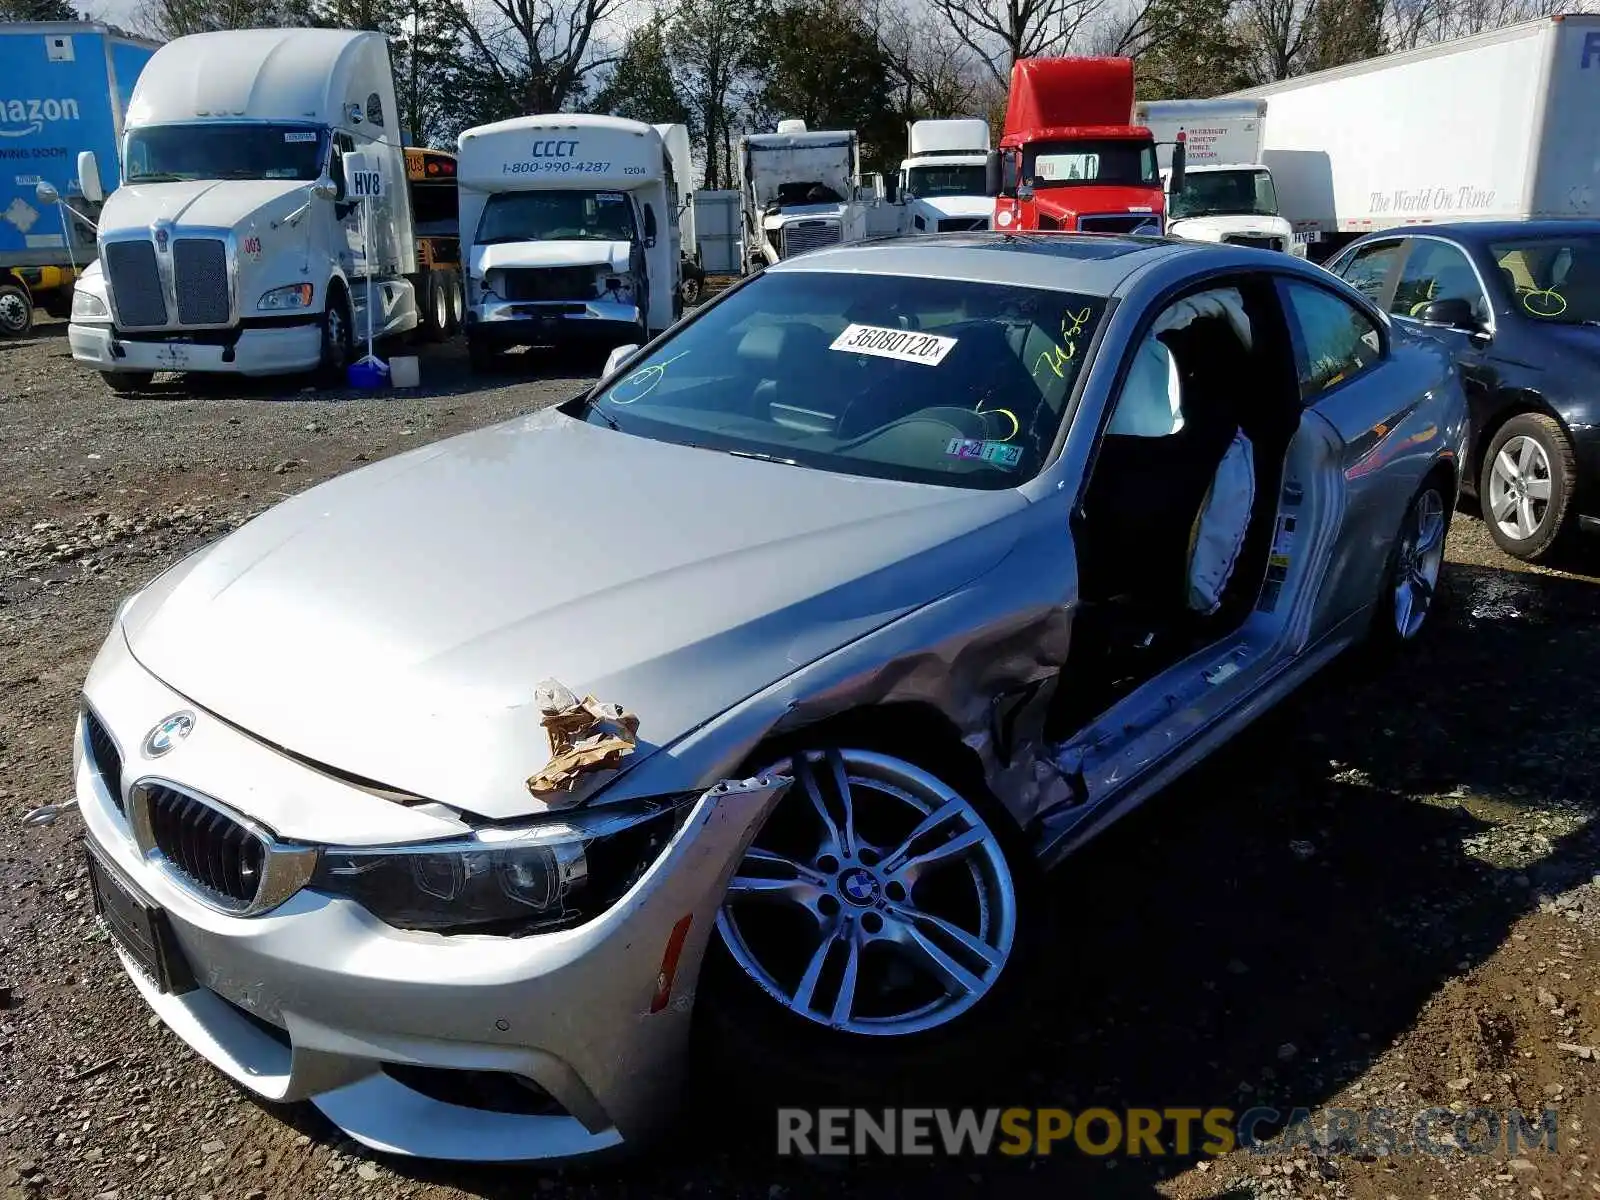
168	734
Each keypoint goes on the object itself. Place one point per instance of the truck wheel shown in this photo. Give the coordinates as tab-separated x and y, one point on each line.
16	310
127	383
690	288
337	341
436	307
458	302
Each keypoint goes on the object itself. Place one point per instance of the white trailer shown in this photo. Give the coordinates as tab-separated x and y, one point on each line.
567	233
680	188
800	189
1228	193
236	243
942	182
1499	126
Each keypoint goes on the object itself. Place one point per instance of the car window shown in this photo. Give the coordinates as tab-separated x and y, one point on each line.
1337	341
1552	278
1437	270
948	382
1367	270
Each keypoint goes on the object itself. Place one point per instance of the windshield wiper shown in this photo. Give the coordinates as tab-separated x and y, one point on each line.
156	177
788	462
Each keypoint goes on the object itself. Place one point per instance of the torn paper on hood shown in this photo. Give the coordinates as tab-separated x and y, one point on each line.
585	736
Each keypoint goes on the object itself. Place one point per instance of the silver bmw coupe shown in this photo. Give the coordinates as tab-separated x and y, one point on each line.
757	684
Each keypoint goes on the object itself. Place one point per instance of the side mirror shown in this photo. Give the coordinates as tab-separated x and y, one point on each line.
649	225
1454	313
45	193
991	174
89	177
616	358
1180	160
325	188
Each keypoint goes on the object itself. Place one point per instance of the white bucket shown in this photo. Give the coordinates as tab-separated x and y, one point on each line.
405	372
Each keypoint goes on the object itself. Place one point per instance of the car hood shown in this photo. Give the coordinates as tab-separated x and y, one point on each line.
393	623
209	203
579	253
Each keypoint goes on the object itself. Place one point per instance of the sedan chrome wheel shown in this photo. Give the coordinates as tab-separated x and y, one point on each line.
1419	558
1519	488
876	900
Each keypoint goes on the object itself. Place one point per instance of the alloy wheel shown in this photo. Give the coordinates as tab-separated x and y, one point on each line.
1419	559
1519	487
875	900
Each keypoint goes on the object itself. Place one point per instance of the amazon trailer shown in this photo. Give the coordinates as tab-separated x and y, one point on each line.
569	241
1499	126
64	89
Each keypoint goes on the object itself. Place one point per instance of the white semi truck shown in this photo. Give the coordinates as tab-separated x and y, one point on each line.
799	189
1498	126
1228	193
234	244
568	233
942	183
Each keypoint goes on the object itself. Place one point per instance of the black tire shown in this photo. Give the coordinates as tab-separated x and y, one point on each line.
1388	633
1558	469
127	383
458	302
338	341
436	306
16	310
754	1034
690	289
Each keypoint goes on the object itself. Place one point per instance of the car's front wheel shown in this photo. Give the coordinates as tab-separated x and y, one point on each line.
880	918
1526	486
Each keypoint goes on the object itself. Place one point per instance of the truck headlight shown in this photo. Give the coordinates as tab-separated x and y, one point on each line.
296	295
88	307
554	874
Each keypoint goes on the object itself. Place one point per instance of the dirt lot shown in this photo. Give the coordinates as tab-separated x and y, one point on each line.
1384	896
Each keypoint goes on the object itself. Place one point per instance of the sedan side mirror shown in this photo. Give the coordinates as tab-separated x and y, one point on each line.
616	358
1454	313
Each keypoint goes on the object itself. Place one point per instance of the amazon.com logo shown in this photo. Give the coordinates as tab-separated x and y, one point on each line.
18	118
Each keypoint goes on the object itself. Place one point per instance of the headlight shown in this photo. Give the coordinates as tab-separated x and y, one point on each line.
88	307
554	874
297	295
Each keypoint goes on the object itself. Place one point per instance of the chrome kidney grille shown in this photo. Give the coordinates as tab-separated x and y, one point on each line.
206	846
200	272
136	288
104	757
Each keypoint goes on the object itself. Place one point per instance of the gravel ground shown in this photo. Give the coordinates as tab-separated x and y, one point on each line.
1384	895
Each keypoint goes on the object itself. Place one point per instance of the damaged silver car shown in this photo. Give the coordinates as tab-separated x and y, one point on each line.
757	684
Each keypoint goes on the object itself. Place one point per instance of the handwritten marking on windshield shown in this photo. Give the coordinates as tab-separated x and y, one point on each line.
645	380
1059	355
1545	303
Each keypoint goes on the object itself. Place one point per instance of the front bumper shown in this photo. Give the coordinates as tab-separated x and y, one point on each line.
335	995
269	350
535	323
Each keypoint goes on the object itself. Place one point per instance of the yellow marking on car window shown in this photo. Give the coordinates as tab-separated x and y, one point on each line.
1546	302
1059	354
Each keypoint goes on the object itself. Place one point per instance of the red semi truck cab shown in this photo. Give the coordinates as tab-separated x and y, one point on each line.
1068	158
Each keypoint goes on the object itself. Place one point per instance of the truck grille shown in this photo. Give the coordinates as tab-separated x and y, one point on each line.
104	757
209	848
1260	243
135	284
200	269
809	235
549	283
1115	222
962	224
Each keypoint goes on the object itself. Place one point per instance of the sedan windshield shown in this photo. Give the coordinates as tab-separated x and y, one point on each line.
1105	162
1225	193
1554	279
224	150
951	180
946	382
556	217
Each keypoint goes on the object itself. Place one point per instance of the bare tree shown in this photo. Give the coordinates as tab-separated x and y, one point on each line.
168	19
998	32
711	42
932	71
534	56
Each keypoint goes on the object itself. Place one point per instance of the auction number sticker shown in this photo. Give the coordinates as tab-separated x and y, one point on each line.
928	349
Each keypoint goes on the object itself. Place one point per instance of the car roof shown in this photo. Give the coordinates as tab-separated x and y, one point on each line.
1478	232
1094	264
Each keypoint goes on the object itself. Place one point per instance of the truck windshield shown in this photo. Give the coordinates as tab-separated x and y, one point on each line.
1108	161
950	382
1553	279
224	150
946	180
556	217
1224	193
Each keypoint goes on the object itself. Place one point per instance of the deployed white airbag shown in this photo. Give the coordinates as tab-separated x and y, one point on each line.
1151	403
1219	530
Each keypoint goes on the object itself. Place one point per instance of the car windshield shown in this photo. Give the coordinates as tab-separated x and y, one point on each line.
1105	162
946	382
564	216
1223	193
1554	279
947	180
224	150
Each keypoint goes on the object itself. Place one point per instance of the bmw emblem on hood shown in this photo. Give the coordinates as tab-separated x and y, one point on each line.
168	734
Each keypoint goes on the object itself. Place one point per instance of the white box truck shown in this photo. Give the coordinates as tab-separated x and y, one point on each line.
1498	126
680	159
235	244
942	183
566	220
1228	193
800	189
